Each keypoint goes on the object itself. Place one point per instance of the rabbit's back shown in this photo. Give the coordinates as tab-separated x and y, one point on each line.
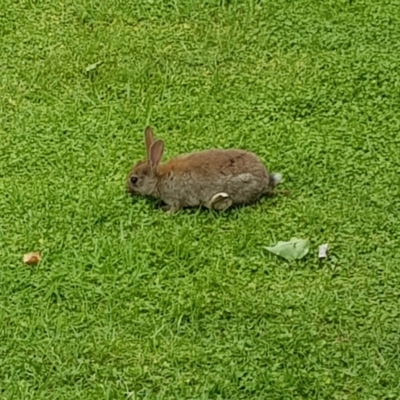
193	179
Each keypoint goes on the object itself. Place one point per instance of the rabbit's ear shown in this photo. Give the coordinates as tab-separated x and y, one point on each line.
156	152
148	139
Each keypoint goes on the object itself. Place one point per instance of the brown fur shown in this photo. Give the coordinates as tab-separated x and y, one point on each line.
192	180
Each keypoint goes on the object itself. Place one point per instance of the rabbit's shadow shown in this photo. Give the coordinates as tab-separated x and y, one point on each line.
159	205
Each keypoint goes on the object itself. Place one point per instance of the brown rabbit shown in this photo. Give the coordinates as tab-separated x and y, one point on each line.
216	179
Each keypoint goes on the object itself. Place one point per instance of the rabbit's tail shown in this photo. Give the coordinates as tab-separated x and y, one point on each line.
274	179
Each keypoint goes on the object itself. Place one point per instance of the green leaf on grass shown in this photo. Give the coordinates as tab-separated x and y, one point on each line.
294	249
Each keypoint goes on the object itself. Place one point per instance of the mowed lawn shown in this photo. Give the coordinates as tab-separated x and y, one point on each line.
131	303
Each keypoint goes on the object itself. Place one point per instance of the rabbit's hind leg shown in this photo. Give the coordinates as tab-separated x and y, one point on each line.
220	202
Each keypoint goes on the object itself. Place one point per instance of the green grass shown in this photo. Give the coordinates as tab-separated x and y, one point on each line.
130	303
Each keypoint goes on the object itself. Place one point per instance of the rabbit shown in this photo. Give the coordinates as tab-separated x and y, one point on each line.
216	179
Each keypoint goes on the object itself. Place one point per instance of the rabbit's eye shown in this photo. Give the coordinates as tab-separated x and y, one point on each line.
134	180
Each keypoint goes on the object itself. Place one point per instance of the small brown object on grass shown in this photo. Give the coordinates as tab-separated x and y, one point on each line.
32	258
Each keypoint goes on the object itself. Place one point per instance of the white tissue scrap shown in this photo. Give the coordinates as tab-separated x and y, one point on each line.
323	251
